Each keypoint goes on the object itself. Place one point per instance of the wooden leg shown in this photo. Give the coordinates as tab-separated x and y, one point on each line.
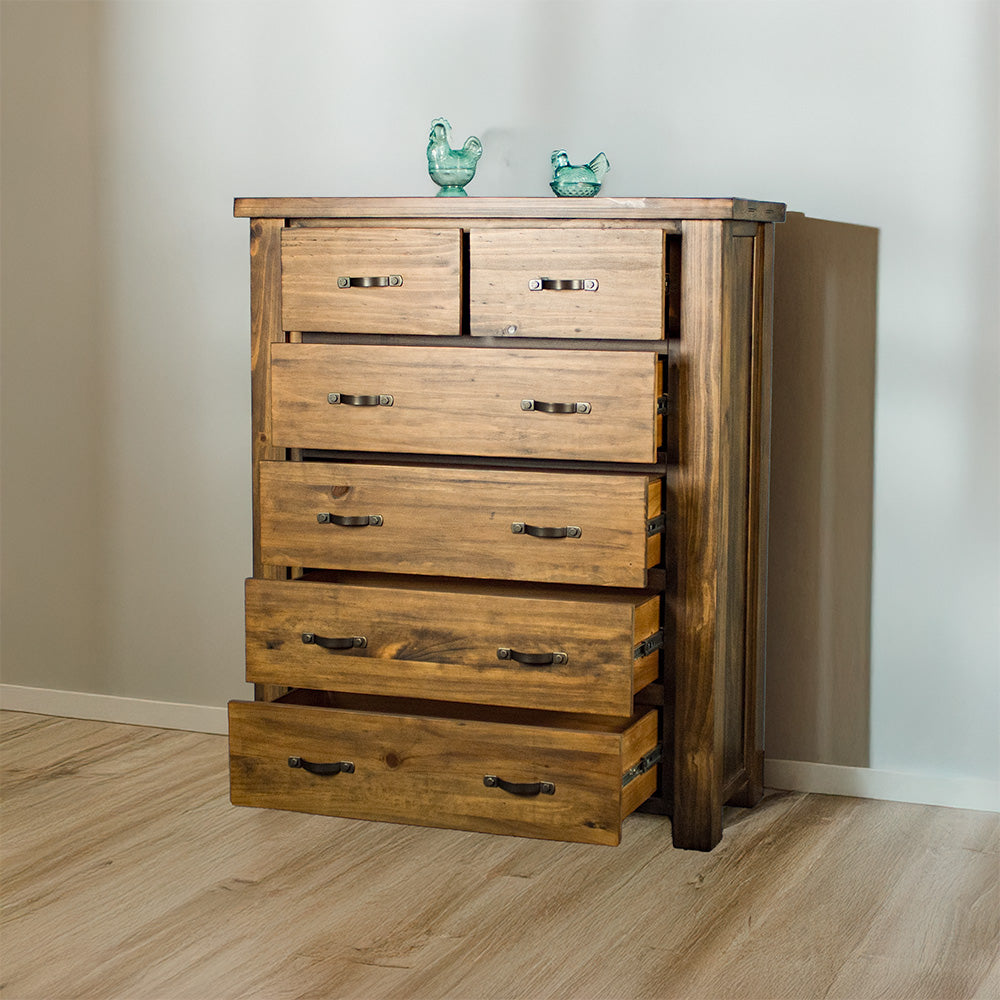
695	508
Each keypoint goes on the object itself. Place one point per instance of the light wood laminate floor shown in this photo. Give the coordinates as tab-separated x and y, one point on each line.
127	874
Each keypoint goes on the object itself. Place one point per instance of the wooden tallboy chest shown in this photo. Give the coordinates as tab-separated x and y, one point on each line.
510	484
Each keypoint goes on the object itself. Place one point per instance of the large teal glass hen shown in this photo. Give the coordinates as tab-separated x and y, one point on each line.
451	168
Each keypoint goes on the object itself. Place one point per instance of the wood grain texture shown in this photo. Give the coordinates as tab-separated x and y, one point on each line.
265	329
545	208
758	498
428	301
109	892
455	401
696	510
428	770
441	643
628	265
457	521
670	226
737	299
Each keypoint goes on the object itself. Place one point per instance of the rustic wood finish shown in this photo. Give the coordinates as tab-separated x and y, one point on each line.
429	771
654	209
458	522
442	643
428	300
265	329
628	266
710	523
460	402
455	460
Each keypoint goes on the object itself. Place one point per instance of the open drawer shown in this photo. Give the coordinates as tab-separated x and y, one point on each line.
579	649
550	775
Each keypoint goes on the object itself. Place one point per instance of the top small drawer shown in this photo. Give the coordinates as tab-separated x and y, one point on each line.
608	283
405	281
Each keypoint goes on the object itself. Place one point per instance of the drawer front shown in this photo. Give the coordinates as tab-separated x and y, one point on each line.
492	645
433	771
410	281
471	522
518	283
587	405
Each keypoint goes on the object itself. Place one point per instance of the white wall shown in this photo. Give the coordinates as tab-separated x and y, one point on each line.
129	128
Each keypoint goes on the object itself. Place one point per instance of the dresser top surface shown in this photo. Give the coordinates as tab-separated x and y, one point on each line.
511	208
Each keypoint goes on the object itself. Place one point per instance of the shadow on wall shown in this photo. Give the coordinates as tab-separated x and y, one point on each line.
822	458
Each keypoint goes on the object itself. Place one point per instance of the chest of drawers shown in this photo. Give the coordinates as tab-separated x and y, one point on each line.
510	479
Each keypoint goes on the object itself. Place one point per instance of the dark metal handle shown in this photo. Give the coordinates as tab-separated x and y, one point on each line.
382	399
341	642
336	767
520	788
531	659
562	284
570	531
351	522
383	281
537	404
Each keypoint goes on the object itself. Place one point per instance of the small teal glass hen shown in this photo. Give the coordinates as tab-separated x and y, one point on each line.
584	181
451	168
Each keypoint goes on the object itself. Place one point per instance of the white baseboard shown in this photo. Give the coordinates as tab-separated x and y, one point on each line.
892	786
108	708
792	775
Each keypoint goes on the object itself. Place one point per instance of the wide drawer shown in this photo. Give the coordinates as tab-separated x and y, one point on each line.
504	524
581	650
528	774
608	283
371	280
588	405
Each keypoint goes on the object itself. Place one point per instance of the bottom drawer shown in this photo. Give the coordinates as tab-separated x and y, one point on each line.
530	774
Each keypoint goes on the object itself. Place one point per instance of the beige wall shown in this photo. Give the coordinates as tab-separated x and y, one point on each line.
129	127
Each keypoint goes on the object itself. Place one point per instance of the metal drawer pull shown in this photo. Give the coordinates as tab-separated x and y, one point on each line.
562	284
341	642
341	397
523	788
537	404
570	531
337	767
531	659
384	281
351	522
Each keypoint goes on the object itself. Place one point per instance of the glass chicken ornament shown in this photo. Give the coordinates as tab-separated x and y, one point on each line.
584	181
451	168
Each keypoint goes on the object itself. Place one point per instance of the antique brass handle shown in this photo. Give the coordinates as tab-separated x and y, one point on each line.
537	404
570	531
383	399
351	522
531	659
520	788
335	767
562	284
339	642
383	281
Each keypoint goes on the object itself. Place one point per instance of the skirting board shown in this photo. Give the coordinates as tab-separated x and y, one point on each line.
108	708
791	775
891	786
